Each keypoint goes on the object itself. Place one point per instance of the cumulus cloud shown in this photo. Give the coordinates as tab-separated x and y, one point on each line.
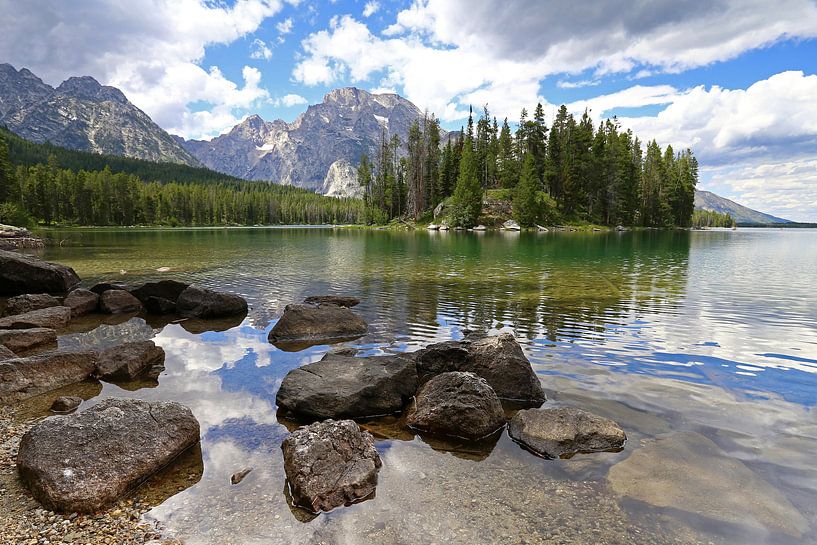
290	100
260	50
371	8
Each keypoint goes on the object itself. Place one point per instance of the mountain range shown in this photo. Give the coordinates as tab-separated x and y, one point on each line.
317	151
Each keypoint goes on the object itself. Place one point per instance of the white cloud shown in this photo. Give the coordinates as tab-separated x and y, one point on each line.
563	84
371	8
290	100
260	50
285	26
631	97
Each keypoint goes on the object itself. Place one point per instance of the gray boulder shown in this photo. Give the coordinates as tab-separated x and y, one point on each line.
28	302
196	302
52	318
347	387
329	464
163	289
119	302
458	404
21	340
564	431
81	302
65	404
102	287
317	323
25	274
85	461
21	378
6	354
339	300
129	360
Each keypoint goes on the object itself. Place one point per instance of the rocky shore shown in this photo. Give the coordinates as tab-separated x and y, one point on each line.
17	238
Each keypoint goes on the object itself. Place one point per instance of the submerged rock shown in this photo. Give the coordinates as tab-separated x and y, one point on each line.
85	461
317	323
21	340
52	317
563	431
129	360
81	302
119	302
339	300
21	378
196	302
458	404
329	464
64	404
238	476
348	387
28	302
25	274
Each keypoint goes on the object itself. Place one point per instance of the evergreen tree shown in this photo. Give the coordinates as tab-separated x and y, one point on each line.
507	170
525	208
9	190
467	198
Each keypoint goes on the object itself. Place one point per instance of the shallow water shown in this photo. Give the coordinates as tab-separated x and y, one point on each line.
706	339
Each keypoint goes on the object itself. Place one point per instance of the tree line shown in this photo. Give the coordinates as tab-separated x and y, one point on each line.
571	171
710	218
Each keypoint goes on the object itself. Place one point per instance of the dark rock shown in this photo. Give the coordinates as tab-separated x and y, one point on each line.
66	404
563	431
129	360
87	460
20	340
499	360
21	378
329	464
317	323
81	302
163	289
458	404
159	305
338	300
25	274
346	387
102	287
52	317
196	302
28	302
119	302
6	354
239	475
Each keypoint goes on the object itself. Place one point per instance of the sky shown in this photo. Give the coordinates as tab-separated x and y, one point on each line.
735	80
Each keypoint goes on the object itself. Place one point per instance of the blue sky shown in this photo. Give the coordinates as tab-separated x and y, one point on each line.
736	80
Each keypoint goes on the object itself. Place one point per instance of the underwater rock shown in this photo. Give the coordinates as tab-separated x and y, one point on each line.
64	404
339	300
562	431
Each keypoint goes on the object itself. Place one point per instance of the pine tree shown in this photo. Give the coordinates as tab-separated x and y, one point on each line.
8	181
525	209
467	198
507	170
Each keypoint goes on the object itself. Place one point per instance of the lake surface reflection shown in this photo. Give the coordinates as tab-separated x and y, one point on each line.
702	345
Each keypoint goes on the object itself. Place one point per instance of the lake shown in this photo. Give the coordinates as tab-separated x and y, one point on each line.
701	345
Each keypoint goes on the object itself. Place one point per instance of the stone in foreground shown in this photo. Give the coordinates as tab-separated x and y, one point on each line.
52	318
119	302
339	300
553	433
25	274
348	387
81	302
196	302
458	404
22	378
20	340
330	464
317	323
65	404
28	302
87	460
129	360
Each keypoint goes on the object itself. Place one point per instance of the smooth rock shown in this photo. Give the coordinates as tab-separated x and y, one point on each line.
348	387
563	431
52	317
21	378
28	302
21	340
85	461
433	227
196	302
339	300
25	274
129	360
238	476
159	305
64	404
329	464
317	323
511	225
119	302
480	228
81	302
163	289
6	354
459	404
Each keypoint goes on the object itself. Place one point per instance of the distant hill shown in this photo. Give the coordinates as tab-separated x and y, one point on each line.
706	200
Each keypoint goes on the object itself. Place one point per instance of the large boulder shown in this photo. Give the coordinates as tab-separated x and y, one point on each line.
498	359
25	274
101	287
159	305
21	378
81	302
458	404
347	387
196	302
28	302
163	289
339	300
317	323
564	431
129	360
329	464
119	302
85	461
21	340
52	318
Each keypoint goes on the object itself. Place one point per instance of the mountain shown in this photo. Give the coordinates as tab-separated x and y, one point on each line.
706	200
317	151
83	115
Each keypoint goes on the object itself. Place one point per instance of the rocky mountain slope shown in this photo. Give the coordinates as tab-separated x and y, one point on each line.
84	115
706	200
317	151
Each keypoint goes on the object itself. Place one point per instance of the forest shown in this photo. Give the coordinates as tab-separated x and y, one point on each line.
709	218
569	172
